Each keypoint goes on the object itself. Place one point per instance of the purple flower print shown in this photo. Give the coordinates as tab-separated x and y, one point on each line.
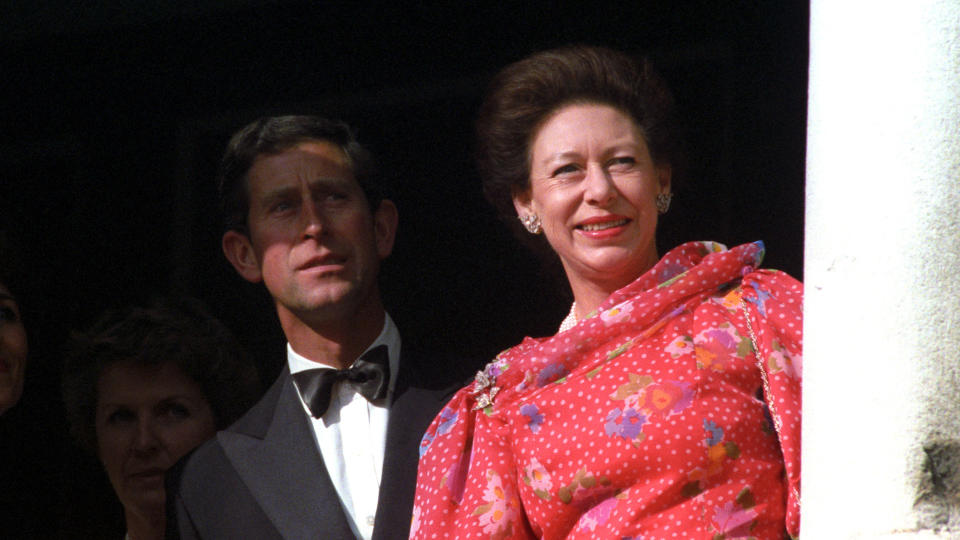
448	417
722	338
598	515
533	414
551	373
627	423
761	300
425	443
715	432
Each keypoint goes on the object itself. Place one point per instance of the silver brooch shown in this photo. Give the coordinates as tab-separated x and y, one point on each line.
483	390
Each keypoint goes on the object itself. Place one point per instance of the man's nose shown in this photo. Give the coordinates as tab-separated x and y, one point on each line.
311	219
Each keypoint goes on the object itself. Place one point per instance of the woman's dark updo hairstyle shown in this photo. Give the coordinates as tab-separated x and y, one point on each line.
177	330
525	94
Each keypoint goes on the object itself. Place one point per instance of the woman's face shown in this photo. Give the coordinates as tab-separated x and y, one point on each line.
147	417
13	350
594	186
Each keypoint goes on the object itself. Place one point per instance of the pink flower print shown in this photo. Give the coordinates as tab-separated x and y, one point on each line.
781	360
456	476
680	346
668	272
415	521
500	510
733	522
536	476
598	515
617	313
717	347
663	398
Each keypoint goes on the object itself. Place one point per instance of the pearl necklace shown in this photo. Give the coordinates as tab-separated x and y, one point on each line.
571	319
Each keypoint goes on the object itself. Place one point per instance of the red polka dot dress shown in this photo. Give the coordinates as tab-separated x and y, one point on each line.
649	419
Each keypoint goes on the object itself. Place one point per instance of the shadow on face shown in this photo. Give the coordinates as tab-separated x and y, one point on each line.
13	350
147	417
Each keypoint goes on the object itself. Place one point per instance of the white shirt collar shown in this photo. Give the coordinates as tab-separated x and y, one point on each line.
389	336
351	436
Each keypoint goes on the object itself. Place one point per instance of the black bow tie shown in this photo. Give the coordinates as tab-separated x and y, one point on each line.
369	375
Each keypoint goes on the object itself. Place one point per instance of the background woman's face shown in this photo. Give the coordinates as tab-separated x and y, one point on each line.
594	185
147	417
13	350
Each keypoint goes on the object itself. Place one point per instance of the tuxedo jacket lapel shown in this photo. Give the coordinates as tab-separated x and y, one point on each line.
274	452
411	412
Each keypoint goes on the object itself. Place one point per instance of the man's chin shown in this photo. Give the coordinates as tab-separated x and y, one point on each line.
331	302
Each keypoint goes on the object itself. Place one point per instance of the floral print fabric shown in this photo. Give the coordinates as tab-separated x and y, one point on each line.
649	419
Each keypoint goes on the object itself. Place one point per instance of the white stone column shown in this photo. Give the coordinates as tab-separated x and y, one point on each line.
881	432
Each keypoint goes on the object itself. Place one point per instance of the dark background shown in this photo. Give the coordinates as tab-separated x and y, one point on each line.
114	116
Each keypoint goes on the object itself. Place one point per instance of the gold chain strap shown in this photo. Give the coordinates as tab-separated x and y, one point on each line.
763	372
766	384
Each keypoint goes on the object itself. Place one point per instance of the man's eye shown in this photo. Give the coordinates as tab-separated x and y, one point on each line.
335	196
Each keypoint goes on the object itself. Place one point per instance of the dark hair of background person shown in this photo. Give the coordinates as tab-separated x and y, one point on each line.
272	135
523	96
172	330
8	261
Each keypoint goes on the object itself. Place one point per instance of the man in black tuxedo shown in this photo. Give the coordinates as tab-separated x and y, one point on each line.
332	452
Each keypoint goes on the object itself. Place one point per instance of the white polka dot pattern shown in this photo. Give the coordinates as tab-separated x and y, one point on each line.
647	420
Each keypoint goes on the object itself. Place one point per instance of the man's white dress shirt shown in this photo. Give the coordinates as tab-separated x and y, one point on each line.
351	435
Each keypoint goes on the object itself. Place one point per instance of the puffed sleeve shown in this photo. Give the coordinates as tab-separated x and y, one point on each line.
773	304
467	480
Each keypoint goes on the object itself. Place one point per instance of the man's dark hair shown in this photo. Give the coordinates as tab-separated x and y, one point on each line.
273	135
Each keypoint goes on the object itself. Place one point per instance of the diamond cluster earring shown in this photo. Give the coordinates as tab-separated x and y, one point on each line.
531	222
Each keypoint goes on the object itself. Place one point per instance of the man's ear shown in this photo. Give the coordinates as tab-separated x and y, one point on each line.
239	251
385	220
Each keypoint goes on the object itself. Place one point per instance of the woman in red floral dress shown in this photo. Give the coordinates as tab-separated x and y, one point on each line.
668	404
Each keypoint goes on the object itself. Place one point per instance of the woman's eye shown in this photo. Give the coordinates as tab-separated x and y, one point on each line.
565	169
121	415
175	410
8	315
622	162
